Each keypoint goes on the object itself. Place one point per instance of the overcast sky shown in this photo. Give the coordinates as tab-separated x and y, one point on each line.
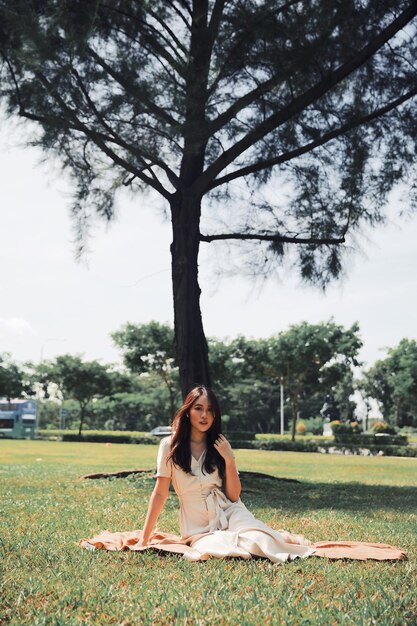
50	304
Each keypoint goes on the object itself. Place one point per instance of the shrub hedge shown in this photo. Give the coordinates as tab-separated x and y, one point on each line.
356	445
376	439
321	446
111	438
245	444
240	435
300	445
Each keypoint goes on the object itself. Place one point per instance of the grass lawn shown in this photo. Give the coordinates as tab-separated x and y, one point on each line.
46	579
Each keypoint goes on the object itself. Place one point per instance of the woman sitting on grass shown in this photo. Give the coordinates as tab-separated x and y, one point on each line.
213	520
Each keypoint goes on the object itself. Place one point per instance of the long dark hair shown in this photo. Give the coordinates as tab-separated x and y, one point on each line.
181	432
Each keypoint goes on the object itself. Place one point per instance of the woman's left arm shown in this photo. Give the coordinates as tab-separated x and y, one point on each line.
232	485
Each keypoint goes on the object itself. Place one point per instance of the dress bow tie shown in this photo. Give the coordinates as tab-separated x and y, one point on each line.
216	502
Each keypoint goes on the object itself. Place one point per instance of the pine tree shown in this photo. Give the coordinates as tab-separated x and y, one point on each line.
307	105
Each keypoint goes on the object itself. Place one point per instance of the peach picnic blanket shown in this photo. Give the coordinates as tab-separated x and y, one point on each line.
246	543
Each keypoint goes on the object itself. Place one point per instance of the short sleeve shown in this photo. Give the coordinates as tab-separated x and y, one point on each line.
163	466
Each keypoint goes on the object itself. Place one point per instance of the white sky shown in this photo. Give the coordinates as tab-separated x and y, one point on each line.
50	304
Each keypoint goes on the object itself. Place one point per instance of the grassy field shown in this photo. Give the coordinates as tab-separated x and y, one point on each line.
46	579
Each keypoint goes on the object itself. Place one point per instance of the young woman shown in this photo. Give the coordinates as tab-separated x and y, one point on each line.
199	461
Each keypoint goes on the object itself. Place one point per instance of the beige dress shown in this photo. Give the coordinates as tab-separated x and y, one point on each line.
229	528
212	525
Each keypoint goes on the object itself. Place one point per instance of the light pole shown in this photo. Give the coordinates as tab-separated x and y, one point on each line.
282	406
41	360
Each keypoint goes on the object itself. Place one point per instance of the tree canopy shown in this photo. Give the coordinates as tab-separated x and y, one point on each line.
311	357
312	361
297	117
393	383
81	380
13	379
148	348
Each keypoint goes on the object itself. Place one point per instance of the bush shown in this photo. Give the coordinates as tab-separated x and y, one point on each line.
408	430
46	432
301	428
314	425
377	439
97	438
373	449
355	447
240	435
146	439
390	440
245	444
239	438
400	451
383	428
345	428
285	444
110	438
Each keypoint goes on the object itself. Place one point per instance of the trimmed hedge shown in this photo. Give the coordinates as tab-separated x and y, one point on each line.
366	440
319	446
147	439
245	444
111	438
240	435
291	446
357	446
46	433
374	450
399	451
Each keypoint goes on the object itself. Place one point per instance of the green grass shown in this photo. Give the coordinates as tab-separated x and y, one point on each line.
46	579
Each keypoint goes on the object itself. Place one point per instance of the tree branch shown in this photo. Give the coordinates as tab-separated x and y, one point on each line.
171	33
273	237
220	73
178	12
148	47
248	98
134	91
141	154
98	138
333	134
159	49
14	79
307	98
215	19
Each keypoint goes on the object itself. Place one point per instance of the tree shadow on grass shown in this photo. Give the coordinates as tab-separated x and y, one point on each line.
268	491
265	491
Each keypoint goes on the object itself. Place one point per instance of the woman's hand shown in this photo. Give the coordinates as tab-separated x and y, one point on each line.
231	481
224	448
142	543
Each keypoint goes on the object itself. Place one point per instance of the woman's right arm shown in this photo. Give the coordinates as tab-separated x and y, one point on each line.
156	504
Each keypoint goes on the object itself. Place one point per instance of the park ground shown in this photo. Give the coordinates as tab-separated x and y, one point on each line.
47	579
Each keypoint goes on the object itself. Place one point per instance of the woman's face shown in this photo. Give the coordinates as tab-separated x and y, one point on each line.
201	415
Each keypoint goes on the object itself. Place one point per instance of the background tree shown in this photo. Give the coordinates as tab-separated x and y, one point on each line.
148	348
303	358
13	379
342	391
308	106
393	383
84	381
48	414
238	374
313	361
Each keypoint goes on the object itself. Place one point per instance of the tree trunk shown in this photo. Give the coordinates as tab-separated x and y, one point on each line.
294	407
191	344
171	392
82	417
